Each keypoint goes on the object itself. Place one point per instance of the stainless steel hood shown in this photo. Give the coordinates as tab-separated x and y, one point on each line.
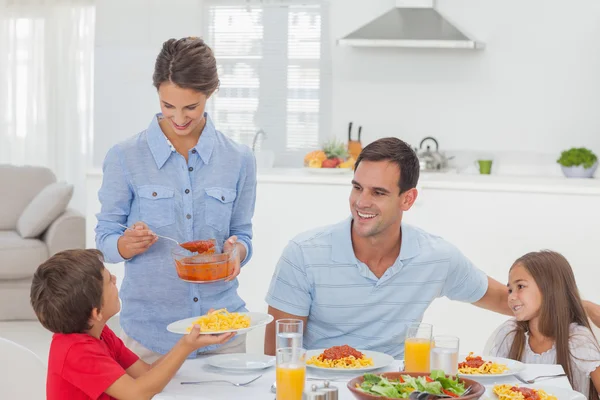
413	24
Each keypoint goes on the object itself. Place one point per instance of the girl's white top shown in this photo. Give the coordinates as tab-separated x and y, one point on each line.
584	348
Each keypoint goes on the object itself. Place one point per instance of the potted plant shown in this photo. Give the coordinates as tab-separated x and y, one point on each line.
578	162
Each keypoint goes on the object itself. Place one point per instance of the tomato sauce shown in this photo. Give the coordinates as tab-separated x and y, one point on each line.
337	352
529	394
472	362
200	246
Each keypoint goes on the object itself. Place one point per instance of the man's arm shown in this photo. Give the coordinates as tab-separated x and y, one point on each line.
495	298
270	339
593	312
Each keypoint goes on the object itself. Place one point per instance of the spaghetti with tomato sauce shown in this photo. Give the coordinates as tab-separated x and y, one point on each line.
510	392
340	357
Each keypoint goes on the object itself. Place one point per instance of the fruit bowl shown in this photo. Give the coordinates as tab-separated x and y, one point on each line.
203	268
333	155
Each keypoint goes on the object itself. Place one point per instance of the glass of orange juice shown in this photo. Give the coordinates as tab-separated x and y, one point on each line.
290	373
417	347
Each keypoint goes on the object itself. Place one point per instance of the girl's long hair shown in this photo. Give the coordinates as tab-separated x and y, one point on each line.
561	306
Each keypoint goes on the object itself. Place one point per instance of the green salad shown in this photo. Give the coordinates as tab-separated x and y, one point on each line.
435	383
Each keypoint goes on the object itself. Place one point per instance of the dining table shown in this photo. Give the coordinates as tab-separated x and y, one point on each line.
198	370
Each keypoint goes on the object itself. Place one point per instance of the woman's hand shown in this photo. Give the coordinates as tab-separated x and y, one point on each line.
229	245
136	240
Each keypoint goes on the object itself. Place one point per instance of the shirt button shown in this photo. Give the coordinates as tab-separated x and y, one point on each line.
223	198
153	194
190	169
187	191
188	216
193	151
195	299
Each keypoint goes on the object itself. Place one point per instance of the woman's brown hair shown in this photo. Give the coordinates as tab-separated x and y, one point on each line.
188	63
561	306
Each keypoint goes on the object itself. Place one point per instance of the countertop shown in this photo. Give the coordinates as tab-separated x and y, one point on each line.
450	180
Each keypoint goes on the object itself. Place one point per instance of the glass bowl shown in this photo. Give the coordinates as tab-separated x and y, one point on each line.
203	268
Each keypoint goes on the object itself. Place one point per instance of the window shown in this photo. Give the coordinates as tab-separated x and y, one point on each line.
274	66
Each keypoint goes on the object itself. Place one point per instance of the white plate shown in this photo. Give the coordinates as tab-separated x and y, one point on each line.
328	171
514	367
380	360
256	320
560	393
241	361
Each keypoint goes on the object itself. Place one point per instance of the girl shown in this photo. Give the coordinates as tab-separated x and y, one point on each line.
183	179
550	325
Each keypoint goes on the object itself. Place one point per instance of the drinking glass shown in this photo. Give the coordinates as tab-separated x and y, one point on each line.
290	373
289	333
444	354
417	347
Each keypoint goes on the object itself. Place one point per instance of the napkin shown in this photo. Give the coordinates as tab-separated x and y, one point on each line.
535	370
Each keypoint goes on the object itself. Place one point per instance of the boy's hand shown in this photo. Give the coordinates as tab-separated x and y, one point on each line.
229	245
136	240
194	340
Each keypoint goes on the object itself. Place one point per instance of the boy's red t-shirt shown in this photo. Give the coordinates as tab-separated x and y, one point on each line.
83	367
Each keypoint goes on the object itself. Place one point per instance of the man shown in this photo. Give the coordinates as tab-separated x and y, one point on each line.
363	281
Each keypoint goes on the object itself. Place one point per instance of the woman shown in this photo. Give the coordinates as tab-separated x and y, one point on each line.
183	179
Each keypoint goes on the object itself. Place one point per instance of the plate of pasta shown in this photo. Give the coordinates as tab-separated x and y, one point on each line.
477	366
532	392
346	358
221	321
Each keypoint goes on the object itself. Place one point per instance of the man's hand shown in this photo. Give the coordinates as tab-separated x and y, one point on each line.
136	240
593	311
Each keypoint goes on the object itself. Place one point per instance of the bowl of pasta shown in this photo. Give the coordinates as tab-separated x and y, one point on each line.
221	321
399	385
346	358
477	366
535	392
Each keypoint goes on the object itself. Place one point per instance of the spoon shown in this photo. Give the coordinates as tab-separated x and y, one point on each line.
160	236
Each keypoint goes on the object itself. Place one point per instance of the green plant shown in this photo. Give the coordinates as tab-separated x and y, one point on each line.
577	156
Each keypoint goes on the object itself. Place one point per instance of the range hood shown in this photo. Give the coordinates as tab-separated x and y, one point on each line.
413	24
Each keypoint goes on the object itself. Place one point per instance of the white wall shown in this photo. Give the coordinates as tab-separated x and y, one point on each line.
534	88
129	36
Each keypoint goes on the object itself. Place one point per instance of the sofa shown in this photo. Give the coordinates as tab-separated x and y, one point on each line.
35	223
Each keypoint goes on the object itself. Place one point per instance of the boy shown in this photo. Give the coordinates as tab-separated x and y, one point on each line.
73	295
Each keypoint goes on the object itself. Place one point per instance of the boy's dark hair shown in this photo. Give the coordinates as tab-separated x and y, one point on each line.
395	151
66	288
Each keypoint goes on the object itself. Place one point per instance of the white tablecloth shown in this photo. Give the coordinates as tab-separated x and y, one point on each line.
197	370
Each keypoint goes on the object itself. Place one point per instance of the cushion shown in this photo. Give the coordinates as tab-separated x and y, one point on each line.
18	186
20	257
44	208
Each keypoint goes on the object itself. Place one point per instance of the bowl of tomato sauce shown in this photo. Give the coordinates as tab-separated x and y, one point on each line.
200	261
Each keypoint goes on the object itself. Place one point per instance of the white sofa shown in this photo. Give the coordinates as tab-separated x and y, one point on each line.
34	224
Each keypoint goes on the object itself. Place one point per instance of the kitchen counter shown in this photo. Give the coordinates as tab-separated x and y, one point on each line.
450	180
447	180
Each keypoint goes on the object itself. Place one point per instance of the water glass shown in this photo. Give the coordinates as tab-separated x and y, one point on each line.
289	333
444	354
290	373
417	347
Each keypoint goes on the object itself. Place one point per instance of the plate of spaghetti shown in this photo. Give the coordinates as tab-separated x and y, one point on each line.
221	321
533	392
477	366
345	358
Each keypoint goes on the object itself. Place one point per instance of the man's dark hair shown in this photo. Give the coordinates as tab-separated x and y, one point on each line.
395	151
66	288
